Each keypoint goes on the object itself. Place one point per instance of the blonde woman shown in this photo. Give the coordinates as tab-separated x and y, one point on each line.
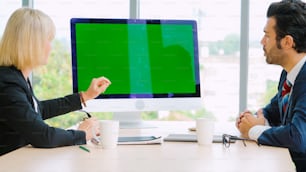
25	45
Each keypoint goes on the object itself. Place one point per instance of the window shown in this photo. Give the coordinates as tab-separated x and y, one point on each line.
263	78
219	45
6	9
61	11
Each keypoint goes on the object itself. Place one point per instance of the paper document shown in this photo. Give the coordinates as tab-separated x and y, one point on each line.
134	140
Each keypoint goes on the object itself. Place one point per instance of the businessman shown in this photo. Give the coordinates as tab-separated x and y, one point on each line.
282	122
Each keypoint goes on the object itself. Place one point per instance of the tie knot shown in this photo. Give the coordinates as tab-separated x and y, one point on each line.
286	87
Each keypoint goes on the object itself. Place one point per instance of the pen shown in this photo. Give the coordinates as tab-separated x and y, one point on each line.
87	113
84	148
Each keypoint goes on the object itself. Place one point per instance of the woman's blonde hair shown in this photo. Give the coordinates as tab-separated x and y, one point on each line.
25	38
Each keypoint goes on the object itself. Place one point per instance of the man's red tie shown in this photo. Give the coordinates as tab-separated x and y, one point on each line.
285	94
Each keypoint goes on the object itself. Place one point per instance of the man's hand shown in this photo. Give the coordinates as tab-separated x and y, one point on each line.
247	120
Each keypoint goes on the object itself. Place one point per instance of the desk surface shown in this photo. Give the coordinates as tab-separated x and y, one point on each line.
168	157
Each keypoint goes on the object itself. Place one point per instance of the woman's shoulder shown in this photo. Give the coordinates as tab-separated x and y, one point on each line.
10	74
9	70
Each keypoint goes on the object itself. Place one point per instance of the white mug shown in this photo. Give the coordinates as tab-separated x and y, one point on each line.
109	131
205	131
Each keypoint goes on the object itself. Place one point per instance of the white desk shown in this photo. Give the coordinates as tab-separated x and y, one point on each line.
168	157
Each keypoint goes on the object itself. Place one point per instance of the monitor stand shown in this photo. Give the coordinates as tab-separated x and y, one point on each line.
131	120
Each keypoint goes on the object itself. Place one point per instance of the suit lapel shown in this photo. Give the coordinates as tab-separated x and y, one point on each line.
287	117
280	108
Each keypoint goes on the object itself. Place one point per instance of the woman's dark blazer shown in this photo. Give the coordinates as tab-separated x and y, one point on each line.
20	124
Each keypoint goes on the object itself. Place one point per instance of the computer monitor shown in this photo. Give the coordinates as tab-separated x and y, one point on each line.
153	65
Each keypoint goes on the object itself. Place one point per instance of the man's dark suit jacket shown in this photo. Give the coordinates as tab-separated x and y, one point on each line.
20	124
289	129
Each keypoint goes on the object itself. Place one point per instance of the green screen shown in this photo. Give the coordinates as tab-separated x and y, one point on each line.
137	58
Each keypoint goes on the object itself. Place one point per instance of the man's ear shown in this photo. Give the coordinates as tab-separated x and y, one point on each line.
287	42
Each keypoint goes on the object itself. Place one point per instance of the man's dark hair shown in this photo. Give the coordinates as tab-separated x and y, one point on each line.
290	16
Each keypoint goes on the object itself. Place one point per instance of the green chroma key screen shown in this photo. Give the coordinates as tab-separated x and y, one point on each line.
139	57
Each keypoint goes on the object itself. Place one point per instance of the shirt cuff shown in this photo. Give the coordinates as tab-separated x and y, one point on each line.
256	131
267	122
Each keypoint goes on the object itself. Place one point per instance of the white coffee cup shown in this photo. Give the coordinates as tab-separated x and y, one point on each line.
109	131
204	131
